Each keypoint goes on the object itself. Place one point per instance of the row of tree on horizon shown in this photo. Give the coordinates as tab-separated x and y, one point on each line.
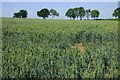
72	13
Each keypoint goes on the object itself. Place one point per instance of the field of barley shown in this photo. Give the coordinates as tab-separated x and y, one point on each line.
36	48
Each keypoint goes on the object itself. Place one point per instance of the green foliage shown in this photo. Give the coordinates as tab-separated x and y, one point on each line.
34	48
95	14
81	12
53	13
116	13
70	13
43	13
20	14
17	15
76	12
88	12
23	13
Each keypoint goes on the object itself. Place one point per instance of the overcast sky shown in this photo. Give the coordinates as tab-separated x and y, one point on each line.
9	8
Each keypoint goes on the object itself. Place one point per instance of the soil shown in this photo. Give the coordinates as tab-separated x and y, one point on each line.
80	46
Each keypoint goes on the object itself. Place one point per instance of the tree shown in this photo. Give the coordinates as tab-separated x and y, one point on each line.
20	14
95	14
53	13
87	13
43	13
116	13
81	12
70	13
76	11
23	13
17	15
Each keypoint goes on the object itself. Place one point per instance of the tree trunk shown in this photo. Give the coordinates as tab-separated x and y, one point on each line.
119	16
80	18
52	17
87	18
73	18
44	17
77	18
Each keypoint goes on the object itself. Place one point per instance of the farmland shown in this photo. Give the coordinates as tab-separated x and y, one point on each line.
36	48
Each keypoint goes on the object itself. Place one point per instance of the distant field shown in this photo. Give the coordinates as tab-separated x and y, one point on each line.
60	48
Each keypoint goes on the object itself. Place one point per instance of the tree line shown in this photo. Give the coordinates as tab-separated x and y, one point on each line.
72	13
80	12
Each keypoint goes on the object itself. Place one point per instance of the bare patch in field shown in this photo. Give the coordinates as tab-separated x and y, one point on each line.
80	46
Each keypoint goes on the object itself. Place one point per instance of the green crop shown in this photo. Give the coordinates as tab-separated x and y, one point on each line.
35	48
